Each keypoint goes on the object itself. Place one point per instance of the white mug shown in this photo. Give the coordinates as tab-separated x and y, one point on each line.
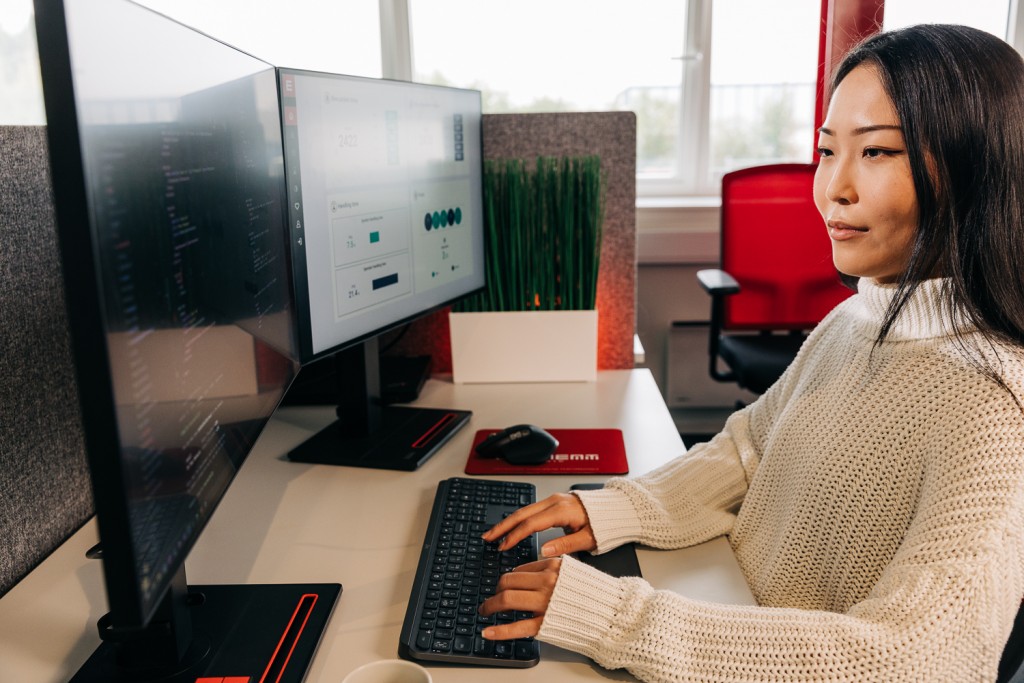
389	671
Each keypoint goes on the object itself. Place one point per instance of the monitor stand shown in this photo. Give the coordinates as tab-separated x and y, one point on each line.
250	633
370	434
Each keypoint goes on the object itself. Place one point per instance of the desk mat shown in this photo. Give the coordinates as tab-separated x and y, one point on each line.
580	451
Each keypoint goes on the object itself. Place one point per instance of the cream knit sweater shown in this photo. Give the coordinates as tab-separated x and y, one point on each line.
874	498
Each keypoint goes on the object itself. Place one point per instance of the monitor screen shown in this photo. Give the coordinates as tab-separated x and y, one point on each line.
168	177
385	203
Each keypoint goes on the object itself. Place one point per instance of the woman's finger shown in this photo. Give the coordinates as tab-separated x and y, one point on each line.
524	628
571	543
505	525
538	572
528	588
517	601
561	512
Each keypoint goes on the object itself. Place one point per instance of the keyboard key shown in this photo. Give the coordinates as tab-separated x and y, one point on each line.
525	649
483	647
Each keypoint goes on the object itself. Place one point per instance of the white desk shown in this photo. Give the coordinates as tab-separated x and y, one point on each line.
284	522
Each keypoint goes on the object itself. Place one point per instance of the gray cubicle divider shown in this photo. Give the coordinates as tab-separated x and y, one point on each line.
611	136
45	493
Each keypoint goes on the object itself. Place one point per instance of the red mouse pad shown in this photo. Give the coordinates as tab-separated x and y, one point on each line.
580	451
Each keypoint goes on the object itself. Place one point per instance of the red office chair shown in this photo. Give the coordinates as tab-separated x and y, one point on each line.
777	280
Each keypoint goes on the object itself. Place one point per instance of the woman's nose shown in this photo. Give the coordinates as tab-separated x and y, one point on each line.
841	189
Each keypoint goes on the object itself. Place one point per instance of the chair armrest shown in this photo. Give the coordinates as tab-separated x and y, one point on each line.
717	282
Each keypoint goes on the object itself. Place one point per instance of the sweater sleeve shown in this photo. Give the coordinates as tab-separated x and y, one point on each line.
920	624
690	499
940	611
696	496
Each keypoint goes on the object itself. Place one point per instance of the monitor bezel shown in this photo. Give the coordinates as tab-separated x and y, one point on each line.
85	311
297	265
80	256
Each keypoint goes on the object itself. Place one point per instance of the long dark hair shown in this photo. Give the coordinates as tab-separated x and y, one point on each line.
959	96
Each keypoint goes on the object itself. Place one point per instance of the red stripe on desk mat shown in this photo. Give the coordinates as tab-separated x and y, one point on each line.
430	433
278	663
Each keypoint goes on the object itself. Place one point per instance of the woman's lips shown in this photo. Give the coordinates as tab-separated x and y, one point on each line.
838	230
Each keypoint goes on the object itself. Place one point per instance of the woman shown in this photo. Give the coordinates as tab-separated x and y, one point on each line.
874	496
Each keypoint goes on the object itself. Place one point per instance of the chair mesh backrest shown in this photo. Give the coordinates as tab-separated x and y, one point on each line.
775	244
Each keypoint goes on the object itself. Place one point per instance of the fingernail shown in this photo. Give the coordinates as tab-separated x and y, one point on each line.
487	633
546	551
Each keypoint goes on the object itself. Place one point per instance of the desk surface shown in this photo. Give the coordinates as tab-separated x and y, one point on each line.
287	522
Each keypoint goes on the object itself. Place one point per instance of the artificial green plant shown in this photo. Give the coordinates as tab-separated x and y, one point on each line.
543	235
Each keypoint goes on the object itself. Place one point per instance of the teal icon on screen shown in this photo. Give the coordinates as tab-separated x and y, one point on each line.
374	237
443	218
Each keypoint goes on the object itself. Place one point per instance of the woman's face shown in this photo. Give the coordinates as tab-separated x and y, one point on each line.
863	186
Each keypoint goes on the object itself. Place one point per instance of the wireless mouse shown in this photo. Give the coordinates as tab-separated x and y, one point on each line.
519	445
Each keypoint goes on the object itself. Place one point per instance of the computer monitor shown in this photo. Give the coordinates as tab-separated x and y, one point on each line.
168	180
386	215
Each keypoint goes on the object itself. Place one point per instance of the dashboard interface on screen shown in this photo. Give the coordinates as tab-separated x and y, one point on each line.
384	201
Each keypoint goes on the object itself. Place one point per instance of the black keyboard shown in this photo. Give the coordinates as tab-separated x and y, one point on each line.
458	571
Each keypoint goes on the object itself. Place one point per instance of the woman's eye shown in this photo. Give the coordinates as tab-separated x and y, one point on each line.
824	152
874	152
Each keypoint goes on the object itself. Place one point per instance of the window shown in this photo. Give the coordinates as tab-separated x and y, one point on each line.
703	105
342	37
20	89
762	85
715	84
987	15
339	37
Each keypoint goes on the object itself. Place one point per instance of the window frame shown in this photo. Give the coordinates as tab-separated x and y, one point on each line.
692	187
695	112
692	184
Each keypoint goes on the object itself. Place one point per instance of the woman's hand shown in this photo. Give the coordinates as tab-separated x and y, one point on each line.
527	588
560	510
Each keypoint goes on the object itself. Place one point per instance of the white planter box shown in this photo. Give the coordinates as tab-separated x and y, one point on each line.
524	346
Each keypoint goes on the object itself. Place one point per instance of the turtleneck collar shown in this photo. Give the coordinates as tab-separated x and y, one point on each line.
925	315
